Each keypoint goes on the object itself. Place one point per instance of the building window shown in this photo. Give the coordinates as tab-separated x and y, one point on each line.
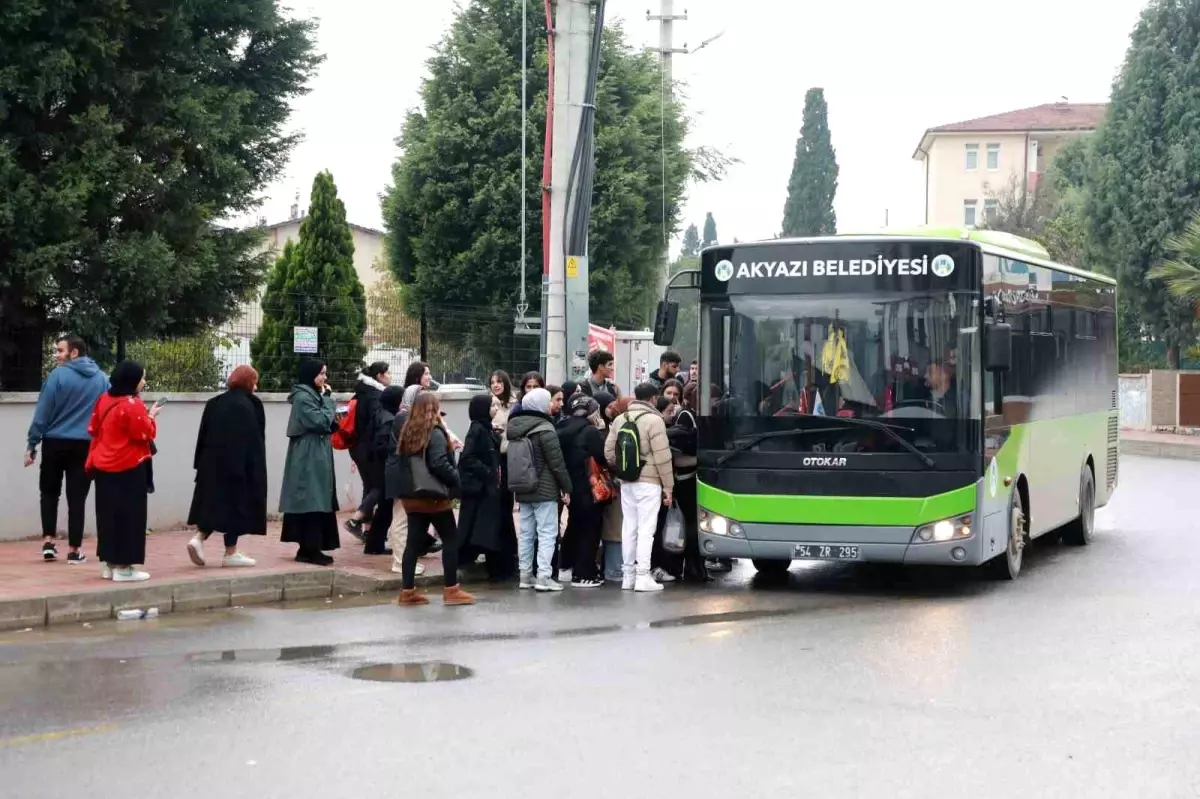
993	157
969	213
990	209
972	157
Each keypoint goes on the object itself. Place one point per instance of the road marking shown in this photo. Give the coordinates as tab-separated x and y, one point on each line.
58	735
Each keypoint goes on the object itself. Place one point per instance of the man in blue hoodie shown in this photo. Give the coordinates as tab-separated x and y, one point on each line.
60	425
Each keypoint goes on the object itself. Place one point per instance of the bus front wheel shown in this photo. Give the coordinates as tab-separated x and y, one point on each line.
771	568
1007	566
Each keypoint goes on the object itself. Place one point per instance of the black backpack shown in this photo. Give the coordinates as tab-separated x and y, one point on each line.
629	450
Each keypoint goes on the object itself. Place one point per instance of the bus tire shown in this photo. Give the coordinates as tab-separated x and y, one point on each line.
1007	565
1079	532
771	568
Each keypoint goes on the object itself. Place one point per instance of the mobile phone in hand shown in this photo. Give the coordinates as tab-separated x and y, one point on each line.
161	401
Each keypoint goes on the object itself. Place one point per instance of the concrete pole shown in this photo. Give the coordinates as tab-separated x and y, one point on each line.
667	50
573	34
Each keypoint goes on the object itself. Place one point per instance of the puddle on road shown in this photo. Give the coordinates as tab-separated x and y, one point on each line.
412	672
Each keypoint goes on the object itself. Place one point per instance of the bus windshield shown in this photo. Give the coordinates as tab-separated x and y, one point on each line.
909	360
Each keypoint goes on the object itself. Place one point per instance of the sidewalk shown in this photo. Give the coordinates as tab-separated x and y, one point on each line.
1177	446
34	593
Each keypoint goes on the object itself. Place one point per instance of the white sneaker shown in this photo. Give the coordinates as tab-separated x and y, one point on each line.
647	584
129	575
527	581
398	568
238	559
628	580
546	584
106	572
564	575
662	576
196	549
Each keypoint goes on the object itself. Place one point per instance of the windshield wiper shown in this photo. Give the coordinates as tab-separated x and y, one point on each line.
888	430
744	444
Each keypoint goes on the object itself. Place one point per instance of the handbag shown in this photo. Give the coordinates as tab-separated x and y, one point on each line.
603	487
421	482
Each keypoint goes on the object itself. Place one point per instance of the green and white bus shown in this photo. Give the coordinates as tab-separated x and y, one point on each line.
937	397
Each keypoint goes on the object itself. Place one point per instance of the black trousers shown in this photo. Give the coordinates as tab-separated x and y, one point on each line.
376	539
419	540
372	483
585	527
231	539
64	459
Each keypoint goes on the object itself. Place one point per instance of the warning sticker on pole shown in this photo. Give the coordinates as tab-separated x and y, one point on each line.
573	262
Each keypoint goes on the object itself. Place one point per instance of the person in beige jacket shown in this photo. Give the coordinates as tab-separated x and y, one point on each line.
641	498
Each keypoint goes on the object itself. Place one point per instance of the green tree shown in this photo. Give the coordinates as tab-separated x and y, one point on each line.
1181	271
813	184
453	207
126	131
710	231
691	242
187	364
1143	184
313	284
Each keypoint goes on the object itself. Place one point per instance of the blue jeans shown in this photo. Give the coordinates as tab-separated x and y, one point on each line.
539	522
613	560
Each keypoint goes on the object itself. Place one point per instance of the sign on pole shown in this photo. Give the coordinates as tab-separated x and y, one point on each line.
304	340
602	338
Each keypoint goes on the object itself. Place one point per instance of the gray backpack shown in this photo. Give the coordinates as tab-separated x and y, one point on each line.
522	466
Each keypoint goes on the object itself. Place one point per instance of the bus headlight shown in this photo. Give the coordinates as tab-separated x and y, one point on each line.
944	530
718	525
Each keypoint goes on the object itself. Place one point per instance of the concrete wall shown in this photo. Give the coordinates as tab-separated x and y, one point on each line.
1134	394
173	473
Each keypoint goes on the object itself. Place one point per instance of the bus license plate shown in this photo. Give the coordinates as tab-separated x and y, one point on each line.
825	552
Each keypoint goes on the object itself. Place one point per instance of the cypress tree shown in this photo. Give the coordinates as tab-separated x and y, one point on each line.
710	230
314	284
1143	183
813	184
691	242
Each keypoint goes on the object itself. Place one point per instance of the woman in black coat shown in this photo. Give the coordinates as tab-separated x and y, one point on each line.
231	469
480	512
582	440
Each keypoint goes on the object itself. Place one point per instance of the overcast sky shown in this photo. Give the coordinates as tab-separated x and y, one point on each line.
890	70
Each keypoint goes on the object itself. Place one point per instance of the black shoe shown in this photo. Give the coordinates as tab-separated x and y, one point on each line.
384	551
76	558
355	528
436	548
315	558
49	551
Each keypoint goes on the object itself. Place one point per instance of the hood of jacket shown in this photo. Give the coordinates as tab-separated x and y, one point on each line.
84	366
367	383
302	388
391	399
527	424
480	409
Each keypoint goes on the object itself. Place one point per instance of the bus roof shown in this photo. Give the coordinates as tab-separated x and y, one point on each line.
1005	245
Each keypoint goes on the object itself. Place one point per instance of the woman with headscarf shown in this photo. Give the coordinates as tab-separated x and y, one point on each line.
231	469
122	433
610	525
479	514
309	497
583	449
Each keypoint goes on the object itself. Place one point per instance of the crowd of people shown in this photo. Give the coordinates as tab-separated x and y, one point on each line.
552	485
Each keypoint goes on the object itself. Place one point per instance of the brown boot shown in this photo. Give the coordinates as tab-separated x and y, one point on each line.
456	596
409	596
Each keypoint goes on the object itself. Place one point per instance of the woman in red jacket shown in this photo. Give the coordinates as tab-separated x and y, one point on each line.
118	460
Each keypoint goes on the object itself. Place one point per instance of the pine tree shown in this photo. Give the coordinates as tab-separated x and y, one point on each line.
127	131
710	231
314	284
1143	183
691	242
813	184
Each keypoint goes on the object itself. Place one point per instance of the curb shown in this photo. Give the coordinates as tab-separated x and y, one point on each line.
105	603
1161	449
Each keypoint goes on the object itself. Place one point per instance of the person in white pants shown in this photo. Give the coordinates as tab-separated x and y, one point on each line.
642	497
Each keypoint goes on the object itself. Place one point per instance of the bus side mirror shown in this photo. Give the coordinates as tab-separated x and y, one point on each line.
999	347
665	319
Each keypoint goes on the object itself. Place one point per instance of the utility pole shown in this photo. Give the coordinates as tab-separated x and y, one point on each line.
572	46
666	17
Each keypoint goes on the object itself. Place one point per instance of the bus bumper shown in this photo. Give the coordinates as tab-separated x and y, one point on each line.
875	544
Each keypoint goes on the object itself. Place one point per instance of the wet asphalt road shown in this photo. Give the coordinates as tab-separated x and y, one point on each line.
1080	680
